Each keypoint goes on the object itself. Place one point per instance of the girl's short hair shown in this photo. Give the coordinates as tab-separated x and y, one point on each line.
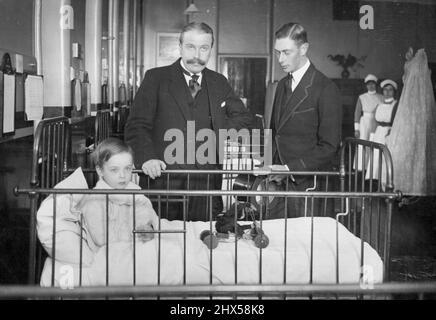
108	148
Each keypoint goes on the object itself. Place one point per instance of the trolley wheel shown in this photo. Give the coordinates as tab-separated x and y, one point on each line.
209	239
204	233
261	241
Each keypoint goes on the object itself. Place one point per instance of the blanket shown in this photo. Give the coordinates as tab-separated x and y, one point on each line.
177	258
119	268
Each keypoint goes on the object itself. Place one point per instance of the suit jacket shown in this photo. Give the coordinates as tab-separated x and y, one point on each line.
269	103
307	133
162	103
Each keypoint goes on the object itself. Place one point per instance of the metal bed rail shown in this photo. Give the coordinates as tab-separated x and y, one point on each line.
51	155
183	196
412	290
120	118
51	151
353	192
366	166
103	126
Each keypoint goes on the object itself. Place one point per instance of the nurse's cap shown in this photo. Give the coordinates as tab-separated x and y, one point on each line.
389	81
370	77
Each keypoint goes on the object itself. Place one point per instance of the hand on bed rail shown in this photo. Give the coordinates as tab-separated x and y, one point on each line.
145	233
278	178
269	171
153	168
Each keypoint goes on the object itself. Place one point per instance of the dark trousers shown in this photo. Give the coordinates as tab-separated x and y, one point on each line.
191	208
373	217
302	206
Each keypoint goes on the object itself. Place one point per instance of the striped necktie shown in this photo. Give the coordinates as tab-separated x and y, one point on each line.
288	85
288	93
193	85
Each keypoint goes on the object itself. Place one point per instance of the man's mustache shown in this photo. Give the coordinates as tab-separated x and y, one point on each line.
196	60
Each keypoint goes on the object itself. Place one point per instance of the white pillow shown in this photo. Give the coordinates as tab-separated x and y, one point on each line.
67	223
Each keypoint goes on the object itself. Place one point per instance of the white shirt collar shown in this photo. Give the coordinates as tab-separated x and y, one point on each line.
298	74
187	78
389	100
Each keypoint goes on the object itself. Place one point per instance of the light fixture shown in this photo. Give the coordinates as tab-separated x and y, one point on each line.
192	8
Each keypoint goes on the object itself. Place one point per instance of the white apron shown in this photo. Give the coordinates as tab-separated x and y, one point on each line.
367	123
383	114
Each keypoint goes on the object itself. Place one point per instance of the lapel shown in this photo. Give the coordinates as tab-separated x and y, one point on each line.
212	92
178	87
278	102
269	119
299	95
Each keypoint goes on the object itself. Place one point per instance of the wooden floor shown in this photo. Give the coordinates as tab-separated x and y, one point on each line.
414	241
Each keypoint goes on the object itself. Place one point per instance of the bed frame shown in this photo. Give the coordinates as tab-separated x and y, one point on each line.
365	207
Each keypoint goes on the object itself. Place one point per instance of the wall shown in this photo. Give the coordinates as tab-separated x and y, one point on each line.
104	42
209	14
325	35
16	25
244	27
160	16
397	25
168	16
78	34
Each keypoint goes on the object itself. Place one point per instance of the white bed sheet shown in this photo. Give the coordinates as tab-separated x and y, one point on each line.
223	258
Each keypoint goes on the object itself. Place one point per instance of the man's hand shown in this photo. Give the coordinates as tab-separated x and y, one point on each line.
153	168
278	178
357	134
279	167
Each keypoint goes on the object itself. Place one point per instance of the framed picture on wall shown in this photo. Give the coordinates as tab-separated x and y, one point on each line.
167	48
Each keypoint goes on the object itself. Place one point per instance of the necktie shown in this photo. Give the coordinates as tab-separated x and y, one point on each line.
288	85
288	93
193	85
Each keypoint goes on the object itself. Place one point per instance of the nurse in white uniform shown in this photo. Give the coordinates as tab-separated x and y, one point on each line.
364	115
384	116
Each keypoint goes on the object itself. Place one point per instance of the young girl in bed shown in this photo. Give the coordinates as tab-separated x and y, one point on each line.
113	161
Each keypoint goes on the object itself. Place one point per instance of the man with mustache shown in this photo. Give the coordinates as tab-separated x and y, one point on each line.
170	97
306	118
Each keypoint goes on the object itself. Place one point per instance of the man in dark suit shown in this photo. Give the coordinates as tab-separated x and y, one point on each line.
306	117
170	100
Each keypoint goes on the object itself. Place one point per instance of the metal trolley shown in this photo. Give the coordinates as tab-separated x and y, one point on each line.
361	202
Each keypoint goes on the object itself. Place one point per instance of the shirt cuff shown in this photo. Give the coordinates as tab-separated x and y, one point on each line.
356	126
